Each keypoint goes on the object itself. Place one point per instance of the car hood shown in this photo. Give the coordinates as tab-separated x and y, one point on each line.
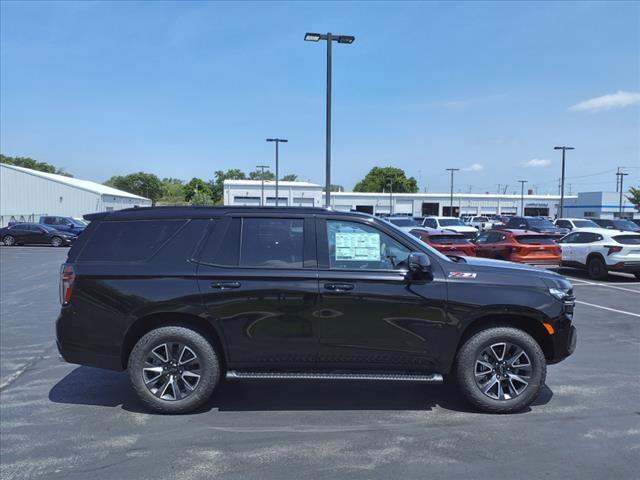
478	264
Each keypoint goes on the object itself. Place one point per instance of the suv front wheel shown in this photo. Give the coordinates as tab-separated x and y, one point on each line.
501	369
173	369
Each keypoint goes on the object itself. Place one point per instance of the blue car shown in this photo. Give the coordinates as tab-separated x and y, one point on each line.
64	224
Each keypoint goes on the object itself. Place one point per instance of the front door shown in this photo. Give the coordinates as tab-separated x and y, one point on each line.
370	316
258	281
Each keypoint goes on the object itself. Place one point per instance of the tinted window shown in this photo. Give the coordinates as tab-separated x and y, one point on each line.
539	222
272	242
448	239
535	240
451	222
430	222
482	238
571	238
129	241
516	222
585	224
628	239
49	220
565	223
357	246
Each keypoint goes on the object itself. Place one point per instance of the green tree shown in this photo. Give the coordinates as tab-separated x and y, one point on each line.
144	184
258	175
217	184
292	177
378	178
197	186
172	191
28	162
634	197
202	197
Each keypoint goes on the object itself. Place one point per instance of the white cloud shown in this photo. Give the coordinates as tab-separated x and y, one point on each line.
474	167
619	99
537	162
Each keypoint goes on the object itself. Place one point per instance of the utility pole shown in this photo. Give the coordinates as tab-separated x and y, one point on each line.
522	182
262	187
390	196
621	175
277	141
564	149
617	179
330	38
452	170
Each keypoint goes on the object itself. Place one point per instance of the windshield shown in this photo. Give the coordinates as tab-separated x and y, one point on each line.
448	239
428	247
585	223
625	225
79	222
535	240
451	222
540	222
628	239
404	222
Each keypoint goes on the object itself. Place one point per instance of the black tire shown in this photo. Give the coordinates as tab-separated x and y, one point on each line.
9	240
597	269
209	369
472	350
56	242
637	275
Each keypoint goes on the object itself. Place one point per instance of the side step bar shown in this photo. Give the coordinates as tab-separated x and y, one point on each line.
374	377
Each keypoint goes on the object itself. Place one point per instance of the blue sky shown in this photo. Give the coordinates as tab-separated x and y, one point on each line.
184	89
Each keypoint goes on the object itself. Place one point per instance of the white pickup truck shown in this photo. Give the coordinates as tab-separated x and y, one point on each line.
481	223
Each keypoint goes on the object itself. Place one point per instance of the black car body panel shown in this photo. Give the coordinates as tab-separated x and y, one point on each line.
311	317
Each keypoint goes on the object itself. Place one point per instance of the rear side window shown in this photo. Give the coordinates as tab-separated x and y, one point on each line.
628	239
449	239
272	242
535	240
129	241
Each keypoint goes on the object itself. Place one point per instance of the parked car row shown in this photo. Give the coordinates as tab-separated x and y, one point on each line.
35	234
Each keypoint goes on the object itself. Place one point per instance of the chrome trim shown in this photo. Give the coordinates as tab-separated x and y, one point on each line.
393	377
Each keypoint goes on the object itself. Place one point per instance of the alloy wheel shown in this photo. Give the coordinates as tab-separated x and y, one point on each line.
9	240
171	371
503	371
56	242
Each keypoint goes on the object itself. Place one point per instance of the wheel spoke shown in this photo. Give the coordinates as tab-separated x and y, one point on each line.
171	371
186	356
502	371
161	352
498	350
154	370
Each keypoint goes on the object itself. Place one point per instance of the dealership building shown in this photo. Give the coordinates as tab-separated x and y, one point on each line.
27	194
300	194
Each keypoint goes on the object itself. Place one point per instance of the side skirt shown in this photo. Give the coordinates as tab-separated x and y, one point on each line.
374	377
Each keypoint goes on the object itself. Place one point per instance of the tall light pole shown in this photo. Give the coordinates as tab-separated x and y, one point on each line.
564	149
330	38
522	182
621	175
390	196
277	141
262	167
451	199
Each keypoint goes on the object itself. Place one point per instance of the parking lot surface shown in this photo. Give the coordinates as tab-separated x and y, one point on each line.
61	421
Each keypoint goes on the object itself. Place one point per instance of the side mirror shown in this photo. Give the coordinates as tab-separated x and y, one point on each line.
419	265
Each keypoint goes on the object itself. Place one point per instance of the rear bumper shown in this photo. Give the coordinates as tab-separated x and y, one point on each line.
538	261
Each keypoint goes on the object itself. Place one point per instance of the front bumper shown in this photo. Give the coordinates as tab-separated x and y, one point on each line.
631	266
564	343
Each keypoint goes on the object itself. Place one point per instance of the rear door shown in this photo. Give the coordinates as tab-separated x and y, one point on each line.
369	315
567	247
258	279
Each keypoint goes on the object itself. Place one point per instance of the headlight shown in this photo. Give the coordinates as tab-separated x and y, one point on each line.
559	294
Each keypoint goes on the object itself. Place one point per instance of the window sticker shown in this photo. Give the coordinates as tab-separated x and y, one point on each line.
358	246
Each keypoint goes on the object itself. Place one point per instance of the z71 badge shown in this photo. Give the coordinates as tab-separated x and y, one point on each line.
463	275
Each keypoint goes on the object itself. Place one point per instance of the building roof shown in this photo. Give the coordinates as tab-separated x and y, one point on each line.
281	183
76	183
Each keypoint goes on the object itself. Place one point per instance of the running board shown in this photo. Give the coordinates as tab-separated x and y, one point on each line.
374	377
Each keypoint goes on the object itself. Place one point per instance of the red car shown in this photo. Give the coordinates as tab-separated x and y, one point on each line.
448	243
522	246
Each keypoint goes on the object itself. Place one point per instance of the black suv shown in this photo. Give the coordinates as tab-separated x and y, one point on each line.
183	296
536	224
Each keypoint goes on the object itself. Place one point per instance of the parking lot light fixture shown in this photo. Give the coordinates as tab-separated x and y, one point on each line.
452	170
277	141
522	182
564	149
329	38
262	167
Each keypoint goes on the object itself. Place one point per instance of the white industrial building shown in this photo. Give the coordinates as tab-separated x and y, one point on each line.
27	194
249	192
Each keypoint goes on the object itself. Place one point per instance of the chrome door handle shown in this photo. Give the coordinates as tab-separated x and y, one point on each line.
338	287
225	285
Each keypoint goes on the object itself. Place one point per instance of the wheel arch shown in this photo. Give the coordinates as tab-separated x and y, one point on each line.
593	255
145	324
530	325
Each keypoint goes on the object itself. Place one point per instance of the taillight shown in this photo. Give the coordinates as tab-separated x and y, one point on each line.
67	277
613	249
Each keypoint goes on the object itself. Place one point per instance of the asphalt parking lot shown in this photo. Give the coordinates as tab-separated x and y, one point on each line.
61	421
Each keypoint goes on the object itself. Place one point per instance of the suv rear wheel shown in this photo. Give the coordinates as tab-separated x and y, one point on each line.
173	369
501	369
597	269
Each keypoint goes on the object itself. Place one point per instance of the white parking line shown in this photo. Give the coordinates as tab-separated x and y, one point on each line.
607	308
584	282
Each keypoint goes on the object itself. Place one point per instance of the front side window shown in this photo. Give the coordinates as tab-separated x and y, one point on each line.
430	222
357	246
482	238
272	242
